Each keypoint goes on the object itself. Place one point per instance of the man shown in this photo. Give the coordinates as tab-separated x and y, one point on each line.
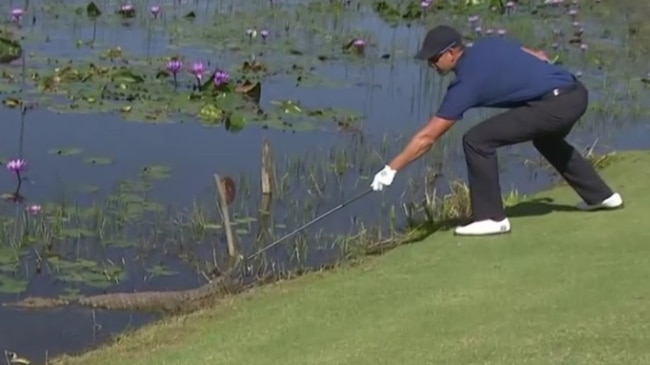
544	102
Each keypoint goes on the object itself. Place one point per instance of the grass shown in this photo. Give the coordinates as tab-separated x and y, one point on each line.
563	288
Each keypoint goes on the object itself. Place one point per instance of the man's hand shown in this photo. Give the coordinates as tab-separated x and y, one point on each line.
383	178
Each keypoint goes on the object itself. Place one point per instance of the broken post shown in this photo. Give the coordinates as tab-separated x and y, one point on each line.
225	215
268	175
268	187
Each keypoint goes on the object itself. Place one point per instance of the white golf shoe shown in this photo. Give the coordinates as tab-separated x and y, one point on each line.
484	228
613	202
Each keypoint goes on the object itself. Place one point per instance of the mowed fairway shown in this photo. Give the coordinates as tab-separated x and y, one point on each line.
565	287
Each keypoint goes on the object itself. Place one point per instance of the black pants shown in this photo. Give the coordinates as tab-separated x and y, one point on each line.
546	123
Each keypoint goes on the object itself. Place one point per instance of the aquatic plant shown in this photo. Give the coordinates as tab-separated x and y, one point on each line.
127	11
221	78
17	167
174	66
17	14
33	209
155	10
198	69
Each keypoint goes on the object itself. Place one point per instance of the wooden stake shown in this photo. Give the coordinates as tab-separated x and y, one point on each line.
265	219
268	175
225	215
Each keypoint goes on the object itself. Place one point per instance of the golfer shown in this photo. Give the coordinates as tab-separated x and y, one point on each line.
543	102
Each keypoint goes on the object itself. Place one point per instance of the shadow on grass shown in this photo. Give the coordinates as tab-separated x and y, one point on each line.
539	206
530	208
413	235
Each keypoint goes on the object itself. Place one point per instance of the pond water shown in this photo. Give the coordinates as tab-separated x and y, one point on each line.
126	189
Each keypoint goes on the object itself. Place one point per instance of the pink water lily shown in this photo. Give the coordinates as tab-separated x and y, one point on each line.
33	209
17	165
221	78
127	11
198	69
17	14
155	10
174	66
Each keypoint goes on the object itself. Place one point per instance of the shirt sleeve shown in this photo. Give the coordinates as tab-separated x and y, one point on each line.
460	97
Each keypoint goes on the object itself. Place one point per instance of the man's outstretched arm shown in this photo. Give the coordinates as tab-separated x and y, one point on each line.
421	142
537	53
460	97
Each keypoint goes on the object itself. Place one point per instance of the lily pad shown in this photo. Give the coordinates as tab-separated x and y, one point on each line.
156	172
160	270
235	122
86	272
66	151
10	50
98	160
124	75
211	113
252	90
92	10
11	102
118	243
76	233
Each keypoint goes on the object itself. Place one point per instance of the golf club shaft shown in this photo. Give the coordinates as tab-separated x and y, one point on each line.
304	226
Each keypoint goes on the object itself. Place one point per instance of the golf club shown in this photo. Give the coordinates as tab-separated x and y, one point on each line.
340	206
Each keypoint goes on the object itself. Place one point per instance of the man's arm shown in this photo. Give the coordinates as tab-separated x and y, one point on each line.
460	96
421	142
537	53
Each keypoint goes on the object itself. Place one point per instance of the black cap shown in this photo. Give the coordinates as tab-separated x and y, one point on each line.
438	40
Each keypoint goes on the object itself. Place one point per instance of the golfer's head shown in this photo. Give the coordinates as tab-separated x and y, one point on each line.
441	48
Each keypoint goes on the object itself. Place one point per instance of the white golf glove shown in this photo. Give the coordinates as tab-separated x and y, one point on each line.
383	178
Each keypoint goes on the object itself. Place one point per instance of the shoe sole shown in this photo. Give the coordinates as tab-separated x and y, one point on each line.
602	208
483	235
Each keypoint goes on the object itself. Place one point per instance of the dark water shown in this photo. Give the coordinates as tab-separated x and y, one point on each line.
395	98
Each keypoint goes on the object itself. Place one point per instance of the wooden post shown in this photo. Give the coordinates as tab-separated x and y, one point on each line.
268	173
265	232
268	187
225	215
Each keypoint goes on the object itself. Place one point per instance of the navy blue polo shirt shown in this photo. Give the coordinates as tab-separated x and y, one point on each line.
495	72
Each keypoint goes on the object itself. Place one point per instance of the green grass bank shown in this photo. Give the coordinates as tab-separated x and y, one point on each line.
565	287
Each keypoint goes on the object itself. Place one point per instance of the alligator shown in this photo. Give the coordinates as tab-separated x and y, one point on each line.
153	301
183	301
